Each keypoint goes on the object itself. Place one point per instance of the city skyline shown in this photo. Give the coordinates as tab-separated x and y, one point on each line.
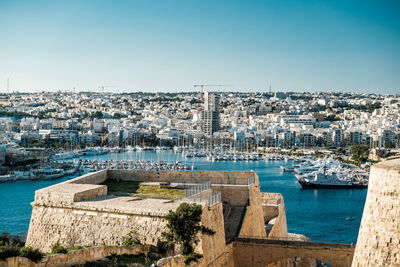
169	46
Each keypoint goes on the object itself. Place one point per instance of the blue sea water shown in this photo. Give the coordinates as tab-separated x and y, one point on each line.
319	214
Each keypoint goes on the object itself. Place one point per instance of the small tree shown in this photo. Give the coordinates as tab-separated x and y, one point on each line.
184	225
359	153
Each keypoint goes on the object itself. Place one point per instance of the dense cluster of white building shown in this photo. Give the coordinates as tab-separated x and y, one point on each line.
234	119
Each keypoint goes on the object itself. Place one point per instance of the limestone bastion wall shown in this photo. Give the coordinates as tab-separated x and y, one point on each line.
274	208
215	177
253	222
79	212
67	218
378	241
72	227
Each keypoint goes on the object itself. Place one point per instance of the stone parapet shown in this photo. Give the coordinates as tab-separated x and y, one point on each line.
91	178
378	241
68	193
176	176
132	175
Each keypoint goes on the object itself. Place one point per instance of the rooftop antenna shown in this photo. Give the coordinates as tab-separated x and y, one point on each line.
270	89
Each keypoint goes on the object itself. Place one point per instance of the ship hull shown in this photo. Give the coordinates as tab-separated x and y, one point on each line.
308	185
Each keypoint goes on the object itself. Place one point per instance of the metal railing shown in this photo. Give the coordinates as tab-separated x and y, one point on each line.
214	199
209	200
197	189
250	181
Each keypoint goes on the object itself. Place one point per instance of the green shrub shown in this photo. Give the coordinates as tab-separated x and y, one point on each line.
57	248
131	239
12	240
75	248
184	226
8	251
192	257
33	254
133	260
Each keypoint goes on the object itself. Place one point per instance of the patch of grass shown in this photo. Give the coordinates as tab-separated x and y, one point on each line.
139	189
75	248
121	188
155	191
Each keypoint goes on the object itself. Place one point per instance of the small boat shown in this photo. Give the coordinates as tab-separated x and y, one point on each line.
24	175
130	148
115	149
287	168
350	218
70	171
7	178
50	173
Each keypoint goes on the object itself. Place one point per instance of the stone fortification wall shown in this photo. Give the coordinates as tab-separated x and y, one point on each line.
176	176
79	212
74	213
279	229
261	253
253	222
73	227
216	177
378	241
81	188
270	211
224	177
68	193
223	260
244	176
78	257
274	209
236	195
213	246
132	175
90	178
270	204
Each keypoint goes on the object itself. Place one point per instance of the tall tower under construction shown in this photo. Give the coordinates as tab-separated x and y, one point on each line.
210	114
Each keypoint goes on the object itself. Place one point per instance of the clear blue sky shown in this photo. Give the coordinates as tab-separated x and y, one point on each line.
169	45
